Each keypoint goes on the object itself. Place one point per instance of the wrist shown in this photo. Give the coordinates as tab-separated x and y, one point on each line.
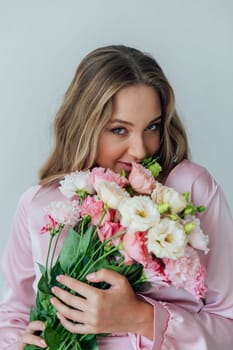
144	319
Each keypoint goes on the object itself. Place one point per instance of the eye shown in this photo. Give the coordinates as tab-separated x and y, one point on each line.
119	131
154	126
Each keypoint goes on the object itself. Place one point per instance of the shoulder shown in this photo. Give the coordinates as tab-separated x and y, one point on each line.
194	178
186	173
37	197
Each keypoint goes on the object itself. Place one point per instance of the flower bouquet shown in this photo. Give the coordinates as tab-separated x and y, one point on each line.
129	223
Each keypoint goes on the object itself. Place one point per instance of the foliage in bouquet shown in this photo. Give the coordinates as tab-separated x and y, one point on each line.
129	223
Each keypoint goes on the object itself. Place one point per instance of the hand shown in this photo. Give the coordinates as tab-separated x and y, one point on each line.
29	336
116	309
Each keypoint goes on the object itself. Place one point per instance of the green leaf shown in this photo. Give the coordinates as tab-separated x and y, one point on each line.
47	311
200	208
87	238
34	314
152	165
104	335
89	344
69	249
186	195
55	271
52	338
42	269
31	347
43	285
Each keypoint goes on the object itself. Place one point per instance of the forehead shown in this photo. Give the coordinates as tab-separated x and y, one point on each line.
137	101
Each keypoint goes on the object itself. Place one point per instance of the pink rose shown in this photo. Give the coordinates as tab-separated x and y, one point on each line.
186	272
134	244
100	174
94	207
141	179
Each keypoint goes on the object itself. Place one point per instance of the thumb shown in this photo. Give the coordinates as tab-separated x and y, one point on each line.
104	275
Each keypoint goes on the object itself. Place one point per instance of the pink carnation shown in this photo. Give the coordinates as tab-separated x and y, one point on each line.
134	244
99	174
141	179
200	288
94	207
154	271
186	272
67	213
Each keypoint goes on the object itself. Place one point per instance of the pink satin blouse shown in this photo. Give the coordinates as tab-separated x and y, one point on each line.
180	321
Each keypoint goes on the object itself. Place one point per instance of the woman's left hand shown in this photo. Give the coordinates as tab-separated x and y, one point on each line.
113	310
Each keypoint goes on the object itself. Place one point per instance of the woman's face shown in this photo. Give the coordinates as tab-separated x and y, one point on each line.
133	132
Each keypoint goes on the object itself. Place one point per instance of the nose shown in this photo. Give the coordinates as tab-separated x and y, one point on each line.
137	148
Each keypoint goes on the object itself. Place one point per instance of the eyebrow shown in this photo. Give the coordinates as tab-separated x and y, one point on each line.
131	124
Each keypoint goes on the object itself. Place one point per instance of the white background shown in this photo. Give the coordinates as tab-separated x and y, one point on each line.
42	42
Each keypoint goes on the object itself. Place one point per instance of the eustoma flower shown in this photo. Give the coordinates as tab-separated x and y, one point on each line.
111	194
75	183
167	239
141	179
167	195
196	237
138	213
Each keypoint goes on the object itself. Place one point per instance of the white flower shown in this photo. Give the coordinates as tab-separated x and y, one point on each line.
138	213
76	181
196	237
111	193
167	195
167	239
64	213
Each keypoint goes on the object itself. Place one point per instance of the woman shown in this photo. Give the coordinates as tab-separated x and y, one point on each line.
120	109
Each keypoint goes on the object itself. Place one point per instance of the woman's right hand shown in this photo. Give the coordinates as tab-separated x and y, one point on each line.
29	337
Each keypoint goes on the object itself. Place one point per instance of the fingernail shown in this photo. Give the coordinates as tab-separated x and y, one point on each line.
52	301
42	342
58	315
90	276
58	278
53	290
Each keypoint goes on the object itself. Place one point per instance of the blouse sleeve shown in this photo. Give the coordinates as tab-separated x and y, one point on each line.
18	270
175	327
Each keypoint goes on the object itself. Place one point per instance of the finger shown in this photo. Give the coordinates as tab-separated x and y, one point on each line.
33	340
108	276
30	338
35	326
69	299
79	328
71	314
80	287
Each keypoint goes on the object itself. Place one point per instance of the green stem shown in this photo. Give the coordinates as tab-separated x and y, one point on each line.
47	258
102	216
55	246
81	236
81	258
88	268
120	233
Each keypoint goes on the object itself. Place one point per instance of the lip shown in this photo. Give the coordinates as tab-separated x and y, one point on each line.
125	166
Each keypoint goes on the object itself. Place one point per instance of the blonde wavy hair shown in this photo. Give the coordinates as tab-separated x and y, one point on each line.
87	108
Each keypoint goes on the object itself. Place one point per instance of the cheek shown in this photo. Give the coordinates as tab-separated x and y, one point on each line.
153	143
107	152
